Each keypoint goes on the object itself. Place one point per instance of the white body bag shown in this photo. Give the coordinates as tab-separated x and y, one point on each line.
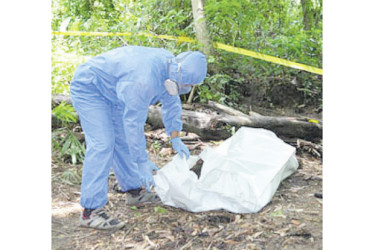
241	175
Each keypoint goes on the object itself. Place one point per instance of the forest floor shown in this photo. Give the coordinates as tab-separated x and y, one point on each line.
292	220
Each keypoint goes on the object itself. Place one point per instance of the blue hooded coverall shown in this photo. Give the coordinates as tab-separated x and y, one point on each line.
111	94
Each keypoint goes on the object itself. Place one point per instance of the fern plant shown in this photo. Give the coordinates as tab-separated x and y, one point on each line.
67	147
65	144
65	113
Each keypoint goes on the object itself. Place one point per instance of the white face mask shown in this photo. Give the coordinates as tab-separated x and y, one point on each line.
171	87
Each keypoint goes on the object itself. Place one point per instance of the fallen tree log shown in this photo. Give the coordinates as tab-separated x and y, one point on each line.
214	121
216	125
57	99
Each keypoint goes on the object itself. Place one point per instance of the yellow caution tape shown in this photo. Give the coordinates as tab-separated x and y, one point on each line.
83	33
190	40
268	58
314	121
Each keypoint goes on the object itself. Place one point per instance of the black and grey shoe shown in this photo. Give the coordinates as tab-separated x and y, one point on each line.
117	188
139	197
99	219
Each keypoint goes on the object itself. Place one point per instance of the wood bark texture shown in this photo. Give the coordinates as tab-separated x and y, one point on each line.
202	35
213	121
201	28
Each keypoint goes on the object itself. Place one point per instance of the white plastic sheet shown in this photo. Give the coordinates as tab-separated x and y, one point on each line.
241	175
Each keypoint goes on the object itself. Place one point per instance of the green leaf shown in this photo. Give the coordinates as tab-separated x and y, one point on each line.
160	210
278	213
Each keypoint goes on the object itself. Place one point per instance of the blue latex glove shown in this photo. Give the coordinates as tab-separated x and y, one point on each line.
179	146
152	166
146	175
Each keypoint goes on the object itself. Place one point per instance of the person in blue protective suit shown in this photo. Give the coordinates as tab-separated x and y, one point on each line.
111	94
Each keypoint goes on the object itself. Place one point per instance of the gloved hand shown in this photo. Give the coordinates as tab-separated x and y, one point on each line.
152	166
179	146
146	175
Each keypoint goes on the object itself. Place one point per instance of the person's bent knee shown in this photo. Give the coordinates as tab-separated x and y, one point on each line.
105	146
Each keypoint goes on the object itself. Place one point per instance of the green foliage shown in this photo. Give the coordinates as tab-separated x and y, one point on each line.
71	176
269	27
274	27
160	210
65	113
156	144
149	16
215	87
231	129
66	56
66	147
277	213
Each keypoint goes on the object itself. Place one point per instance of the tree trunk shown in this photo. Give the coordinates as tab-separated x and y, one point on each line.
307	14
214	121
201	28
57	99
202	35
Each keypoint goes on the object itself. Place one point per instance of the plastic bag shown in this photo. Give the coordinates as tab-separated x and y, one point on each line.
241	175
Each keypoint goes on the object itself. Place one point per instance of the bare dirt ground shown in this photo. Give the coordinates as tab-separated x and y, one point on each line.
292	220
